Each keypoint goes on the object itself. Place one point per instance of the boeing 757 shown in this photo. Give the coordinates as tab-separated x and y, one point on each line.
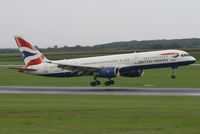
125	65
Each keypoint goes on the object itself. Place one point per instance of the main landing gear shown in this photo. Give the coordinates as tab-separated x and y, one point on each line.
110	82
96	82
173	73
107	83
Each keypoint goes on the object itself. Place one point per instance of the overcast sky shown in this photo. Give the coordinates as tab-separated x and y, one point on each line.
46	23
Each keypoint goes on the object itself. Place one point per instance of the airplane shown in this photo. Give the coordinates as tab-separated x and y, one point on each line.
111	66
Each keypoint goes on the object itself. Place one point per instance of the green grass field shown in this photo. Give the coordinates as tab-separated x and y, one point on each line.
95	114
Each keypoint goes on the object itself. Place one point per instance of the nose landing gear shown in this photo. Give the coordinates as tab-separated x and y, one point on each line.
173	73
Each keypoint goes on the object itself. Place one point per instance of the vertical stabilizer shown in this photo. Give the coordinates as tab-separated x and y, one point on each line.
30	54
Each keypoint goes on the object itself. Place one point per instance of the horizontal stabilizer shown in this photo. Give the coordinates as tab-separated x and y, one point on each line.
24	69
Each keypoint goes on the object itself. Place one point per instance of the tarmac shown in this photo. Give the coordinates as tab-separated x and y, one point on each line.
100	90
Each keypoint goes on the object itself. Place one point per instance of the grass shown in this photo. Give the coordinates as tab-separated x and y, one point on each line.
197	62
187	76
94	114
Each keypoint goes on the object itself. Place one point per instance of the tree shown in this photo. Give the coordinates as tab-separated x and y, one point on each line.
56	47
174	46
158	46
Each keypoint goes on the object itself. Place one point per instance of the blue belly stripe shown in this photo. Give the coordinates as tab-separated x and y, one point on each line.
151	66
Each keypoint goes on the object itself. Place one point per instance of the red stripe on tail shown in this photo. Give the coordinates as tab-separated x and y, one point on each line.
35	61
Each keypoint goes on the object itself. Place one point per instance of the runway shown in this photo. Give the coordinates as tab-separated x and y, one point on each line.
100	90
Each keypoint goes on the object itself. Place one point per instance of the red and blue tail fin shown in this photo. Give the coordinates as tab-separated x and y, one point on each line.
31	55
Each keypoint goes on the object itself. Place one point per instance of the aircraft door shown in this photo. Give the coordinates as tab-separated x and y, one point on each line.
136	59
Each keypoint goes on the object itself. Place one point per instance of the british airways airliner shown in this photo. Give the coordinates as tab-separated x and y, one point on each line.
126	65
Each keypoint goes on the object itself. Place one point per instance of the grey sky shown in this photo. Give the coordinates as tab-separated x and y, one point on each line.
89	22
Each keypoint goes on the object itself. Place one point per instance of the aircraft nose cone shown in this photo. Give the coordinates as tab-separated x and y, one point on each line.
193	59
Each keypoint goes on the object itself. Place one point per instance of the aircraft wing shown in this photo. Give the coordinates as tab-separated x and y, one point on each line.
81	68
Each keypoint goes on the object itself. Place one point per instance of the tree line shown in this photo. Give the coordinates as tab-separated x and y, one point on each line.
128	45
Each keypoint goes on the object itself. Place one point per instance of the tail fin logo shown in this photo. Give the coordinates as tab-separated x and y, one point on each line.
30	54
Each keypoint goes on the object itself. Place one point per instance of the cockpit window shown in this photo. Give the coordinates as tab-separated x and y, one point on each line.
184	55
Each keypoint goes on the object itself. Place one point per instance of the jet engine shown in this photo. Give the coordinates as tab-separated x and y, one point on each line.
108	72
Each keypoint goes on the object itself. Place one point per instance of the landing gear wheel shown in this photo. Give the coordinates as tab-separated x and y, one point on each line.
107	83
93	84
110	82
173	76
97	82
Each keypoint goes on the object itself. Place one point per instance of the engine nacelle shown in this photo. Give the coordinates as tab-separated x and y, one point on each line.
108	72
132	73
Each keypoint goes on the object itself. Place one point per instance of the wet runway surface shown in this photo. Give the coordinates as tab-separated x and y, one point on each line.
101	90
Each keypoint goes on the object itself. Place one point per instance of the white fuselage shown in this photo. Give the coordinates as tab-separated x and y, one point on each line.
143	60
